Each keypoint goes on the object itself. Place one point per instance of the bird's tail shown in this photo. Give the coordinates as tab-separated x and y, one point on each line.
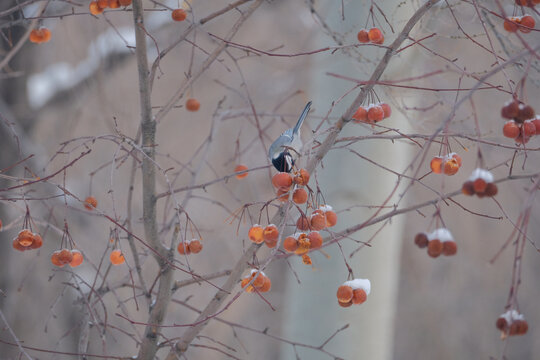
302	118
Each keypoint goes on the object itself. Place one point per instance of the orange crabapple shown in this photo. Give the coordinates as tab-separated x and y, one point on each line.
527	24
360	115
344	293
375	36
255	234
301	177
179	14
114	4
329	215
359	296
511	129
77	258
387	110
303	223
94	8
435	248
436	164
511	24
290	244
270	233
318	220
300	196
239	168
37	243
282	180
192	104
18	246
528	128
195	246
103	4
282	194
451	167
183	248
536	123
363	36
116	257
125	2
375	113
90	203
266	286
315	240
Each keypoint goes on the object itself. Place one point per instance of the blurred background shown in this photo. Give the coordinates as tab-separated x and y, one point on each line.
79	91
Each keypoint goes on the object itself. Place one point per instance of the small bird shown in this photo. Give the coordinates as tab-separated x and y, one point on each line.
290	140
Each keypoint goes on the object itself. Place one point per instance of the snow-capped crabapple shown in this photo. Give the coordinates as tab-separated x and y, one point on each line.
360	115
255	234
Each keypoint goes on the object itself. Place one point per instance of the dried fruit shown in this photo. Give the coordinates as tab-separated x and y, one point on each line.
436	164
511	129
270	233
318	220
353	292
303	223
375	113
421	240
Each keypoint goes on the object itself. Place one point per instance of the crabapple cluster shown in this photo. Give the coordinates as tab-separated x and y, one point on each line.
523	122
27	240
97	7
301	243
480	183
372	113
190	246
353	292
261	282
283	182
269	235
524	23
373	35
447	165
320	219
512	323
440	241
65	256
39	36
